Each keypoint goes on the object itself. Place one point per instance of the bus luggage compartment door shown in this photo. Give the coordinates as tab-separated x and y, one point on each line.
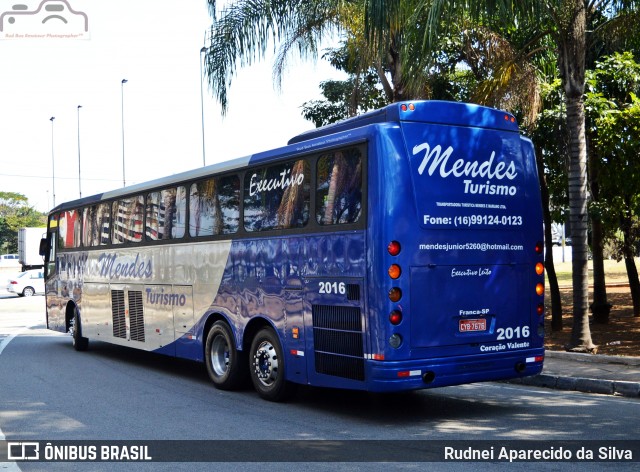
337	322
454	305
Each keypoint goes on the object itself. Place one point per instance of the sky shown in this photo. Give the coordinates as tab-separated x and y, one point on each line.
48	69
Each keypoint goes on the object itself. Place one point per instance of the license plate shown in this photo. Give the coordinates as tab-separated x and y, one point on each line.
473	325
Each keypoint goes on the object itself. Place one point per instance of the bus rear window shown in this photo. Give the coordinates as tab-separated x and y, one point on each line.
277	197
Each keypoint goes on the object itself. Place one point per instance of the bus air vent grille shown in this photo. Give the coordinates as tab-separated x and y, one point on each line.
136	316
117	314
338	341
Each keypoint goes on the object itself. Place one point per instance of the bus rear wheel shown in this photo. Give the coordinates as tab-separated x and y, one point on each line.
267	367
226	365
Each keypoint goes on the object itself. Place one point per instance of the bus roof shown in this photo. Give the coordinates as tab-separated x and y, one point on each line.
429	111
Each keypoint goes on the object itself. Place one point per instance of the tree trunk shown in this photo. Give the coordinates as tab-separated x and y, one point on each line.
632	271
572	46
580	334
554	288
600	307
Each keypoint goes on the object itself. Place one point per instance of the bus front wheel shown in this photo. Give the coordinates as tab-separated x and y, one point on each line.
79	343
267	367
226	365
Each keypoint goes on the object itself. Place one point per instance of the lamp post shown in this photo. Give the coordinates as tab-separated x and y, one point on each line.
203	50
79	181
53	164
124	81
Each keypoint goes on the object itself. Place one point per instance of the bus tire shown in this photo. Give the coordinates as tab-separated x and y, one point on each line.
267	368
226	365
79	343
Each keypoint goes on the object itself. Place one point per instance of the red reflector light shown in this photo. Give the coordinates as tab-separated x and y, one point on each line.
394	248
540	289
395	294
404	373
540	309
539	247
395	317
539	268
14	282
394	271
539	358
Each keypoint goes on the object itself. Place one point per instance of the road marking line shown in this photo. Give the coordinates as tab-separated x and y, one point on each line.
10	466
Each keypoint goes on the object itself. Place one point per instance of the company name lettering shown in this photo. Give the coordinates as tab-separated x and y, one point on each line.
115	267
162	298
437	161
256	186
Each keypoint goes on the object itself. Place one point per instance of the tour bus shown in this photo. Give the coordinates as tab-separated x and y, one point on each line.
397	250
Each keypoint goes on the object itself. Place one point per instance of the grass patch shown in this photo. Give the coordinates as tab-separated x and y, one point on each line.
615	272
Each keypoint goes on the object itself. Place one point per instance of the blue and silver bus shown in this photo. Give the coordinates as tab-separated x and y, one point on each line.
401	249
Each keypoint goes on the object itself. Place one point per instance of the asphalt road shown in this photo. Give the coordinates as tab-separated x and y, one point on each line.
49	392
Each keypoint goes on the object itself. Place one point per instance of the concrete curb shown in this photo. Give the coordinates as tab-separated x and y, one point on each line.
593	358
583	384
580	384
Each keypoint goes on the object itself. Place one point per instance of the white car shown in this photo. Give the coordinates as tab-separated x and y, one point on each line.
27	283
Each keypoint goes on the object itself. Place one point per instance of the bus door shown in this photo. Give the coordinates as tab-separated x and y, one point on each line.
334	318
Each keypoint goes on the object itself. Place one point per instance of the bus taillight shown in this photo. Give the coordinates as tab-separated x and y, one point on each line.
539	247
394	248
539	268
395	317
394	271
540	309
540	289
395	294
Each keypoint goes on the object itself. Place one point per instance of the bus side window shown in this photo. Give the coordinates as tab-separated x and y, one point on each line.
101	225
277	197
164	214
214	206
339	187
128	217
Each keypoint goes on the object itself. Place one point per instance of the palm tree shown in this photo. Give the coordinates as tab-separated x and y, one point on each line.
399	38
242	33
565	21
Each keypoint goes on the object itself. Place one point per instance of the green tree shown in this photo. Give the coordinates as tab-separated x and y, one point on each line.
15	213
565	21
612	106
358	93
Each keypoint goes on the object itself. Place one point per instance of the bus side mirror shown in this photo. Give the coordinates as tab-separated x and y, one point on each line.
43	247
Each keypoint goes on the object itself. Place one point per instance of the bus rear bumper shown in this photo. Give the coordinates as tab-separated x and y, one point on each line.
389	376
